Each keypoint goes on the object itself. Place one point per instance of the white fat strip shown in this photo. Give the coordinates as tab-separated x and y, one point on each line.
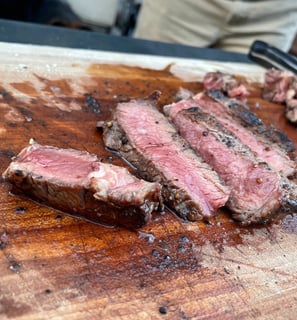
99	173
101	183
107	177
105	180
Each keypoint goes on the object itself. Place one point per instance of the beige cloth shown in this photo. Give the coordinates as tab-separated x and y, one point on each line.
225	24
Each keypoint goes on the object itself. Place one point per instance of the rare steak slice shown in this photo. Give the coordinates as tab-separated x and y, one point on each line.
147	140
266	142
255	188
78	183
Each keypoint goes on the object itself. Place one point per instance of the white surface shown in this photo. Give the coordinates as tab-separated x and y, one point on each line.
187	69
96	12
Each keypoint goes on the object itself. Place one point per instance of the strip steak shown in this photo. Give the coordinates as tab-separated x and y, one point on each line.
78	183
146	139
255	188
267	143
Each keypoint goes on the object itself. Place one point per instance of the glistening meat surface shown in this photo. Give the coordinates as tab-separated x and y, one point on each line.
246	126
267	143
146	139
78	183
255	188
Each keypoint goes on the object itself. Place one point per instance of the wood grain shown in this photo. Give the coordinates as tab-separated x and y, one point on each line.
53	266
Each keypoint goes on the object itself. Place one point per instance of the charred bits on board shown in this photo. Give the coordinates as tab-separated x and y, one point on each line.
92	103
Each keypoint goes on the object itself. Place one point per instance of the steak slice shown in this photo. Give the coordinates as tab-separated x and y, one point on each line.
255	188
247	118
77	183
147	140
267	143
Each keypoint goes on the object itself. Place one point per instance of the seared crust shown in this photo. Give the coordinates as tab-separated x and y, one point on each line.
248	119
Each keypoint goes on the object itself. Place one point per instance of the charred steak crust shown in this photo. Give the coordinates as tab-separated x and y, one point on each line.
263	148
144	137
255	188
77	183
250	120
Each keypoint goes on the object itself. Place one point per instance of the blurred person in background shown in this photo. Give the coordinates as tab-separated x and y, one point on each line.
53	12
230	25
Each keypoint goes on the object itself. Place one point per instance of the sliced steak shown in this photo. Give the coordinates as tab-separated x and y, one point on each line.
78	183
281	87
146	139
226	83
255	188
266	142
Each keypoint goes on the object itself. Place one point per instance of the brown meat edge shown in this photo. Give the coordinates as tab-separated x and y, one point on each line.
77	201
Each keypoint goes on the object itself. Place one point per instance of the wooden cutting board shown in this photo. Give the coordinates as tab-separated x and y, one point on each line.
53	266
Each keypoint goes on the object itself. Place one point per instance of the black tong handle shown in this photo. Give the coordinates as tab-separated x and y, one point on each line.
272	57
